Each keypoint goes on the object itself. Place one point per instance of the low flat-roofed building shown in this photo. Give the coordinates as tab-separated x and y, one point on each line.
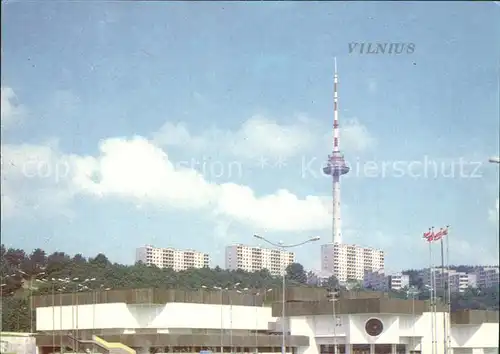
165	320
172	321
381	325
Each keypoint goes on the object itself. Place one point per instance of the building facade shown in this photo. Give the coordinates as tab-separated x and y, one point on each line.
459	281
487	277
378	280
253	259
172	258
349	262
153	321
398	281
18	343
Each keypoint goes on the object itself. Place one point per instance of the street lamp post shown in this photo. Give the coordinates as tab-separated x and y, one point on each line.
432	296
221	318
333	296
495	159
231	318
283	247
412	291
35	276
221	289
61	290
255	295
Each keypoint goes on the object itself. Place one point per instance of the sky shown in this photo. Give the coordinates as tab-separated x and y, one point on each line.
197	125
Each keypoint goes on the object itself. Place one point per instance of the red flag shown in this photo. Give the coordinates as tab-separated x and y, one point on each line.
439	235
429	236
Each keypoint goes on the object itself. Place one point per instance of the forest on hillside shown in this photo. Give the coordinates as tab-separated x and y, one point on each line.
24	274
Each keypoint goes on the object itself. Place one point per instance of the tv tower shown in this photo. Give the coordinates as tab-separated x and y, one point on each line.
336	165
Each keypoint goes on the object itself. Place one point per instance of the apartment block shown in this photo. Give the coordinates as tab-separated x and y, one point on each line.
378	280
459	281
172	258
487	277
375	280
398	281
349	262
252	259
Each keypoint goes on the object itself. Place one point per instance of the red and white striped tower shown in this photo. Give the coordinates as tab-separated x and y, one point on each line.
336	166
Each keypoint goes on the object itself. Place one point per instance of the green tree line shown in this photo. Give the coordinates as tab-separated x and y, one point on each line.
26	274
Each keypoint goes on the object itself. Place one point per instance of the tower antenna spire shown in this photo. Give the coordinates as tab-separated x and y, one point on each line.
336	165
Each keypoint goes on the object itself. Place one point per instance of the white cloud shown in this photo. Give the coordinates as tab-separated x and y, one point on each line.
261	136
35	180
137	170
40	179
12	112
493	214
258	136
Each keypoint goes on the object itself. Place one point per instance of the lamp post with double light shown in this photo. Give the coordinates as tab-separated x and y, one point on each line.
227	289
255	295
221	318
283	247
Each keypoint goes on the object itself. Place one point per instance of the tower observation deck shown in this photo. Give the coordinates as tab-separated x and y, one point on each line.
336	165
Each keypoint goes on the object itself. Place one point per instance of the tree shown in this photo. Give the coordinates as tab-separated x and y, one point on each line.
331	283
296	272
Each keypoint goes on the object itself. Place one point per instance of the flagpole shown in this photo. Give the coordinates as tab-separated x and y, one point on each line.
448	338
434	307
443	286
431	295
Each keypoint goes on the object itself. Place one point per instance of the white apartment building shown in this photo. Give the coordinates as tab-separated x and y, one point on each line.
252	259
377	280
349	262
487	277
172	258
398	281
459	281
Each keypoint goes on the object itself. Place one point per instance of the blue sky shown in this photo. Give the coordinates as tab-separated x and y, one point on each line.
193	125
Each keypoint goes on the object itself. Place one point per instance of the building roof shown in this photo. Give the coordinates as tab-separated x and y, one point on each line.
355	306
474	317
300	301
149	296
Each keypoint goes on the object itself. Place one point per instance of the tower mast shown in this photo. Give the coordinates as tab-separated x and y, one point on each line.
336	166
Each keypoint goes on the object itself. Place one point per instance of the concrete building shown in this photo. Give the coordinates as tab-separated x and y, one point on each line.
487	277
459	281
173	321
252	259
17	343
172	258
375	280
349	262
398	281
378	280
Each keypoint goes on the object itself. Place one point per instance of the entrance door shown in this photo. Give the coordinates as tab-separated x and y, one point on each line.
360	349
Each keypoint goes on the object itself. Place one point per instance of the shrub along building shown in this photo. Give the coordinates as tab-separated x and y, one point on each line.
171	321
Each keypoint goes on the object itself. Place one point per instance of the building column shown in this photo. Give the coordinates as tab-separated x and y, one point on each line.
393	350
372	348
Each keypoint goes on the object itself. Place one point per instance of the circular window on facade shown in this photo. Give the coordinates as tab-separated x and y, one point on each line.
374	327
